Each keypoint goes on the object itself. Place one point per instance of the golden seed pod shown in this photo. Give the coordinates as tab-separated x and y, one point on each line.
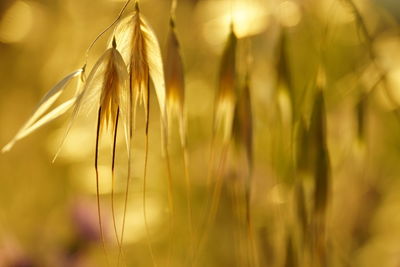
226	95
140	50
174	80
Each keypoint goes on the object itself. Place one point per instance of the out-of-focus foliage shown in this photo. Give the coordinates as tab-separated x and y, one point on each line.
324	87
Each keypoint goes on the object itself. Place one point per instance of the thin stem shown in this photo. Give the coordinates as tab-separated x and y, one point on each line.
218	186
105	30
189	201
237	210
170	199
145	175
125	201
215	198
250	230
97	186
210	173
131	131
113	183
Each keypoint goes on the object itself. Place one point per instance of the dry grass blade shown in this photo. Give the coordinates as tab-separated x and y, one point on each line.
35	121
50	116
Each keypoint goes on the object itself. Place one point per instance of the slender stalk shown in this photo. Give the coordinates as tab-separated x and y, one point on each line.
106	29
250	231
145	176
214	200
170	201
131	131
189	201
237	212
97	186
113	184
218	186
125	203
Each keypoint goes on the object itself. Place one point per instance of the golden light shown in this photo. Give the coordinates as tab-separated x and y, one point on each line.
135	227
16	23
83	178
248	17
394	83
337	14
288	14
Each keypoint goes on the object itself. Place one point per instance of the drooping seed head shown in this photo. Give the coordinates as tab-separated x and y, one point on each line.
226	95
140	50
175	82
174	78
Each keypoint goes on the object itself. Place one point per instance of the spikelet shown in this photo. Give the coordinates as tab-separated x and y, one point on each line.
39	118
112	82
319	153
104	87
226	95
243	123
141	52
174	80
284	80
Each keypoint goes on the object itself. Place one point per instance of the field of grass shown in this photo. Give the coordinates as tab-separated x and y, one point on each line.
200	133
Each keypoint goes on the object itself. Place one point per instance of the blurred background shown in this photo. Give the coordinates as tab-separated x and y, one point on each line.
48	212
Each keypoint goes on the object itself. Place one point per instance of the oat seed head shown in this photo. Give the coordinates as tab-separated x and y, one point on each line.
140	50
226	95
175	81
105	86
